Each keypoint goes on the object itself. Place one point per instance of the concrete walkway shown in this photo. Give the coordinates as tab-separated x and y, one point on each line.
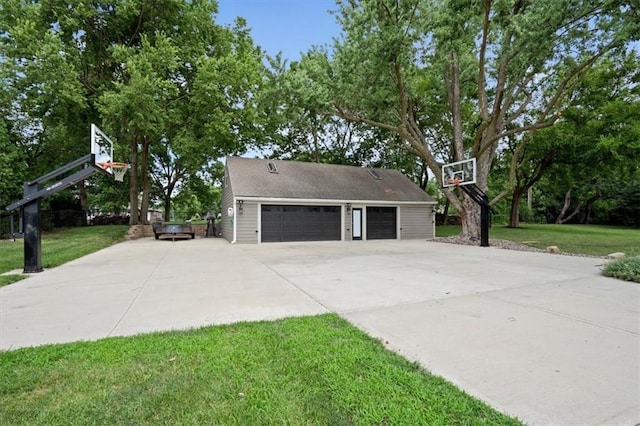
542	337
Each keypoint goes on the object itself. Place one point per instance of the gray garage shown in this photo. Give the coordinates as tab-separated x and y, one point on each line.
278	201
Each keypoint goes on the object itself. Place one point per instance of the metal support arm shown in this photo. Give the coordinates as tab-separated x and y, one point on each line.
54	188
30	204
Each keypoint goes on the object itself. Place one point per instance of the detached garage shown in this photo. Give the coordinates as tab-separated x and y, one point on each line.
278	201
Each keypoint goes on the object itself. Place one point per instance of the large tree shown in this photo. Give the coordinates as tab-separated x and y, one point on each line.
479	71
601	139
181	99
598	130
41	99
149	72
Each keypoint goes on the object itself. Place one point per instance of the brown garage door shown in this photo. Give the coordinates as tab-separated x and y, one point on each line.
300	223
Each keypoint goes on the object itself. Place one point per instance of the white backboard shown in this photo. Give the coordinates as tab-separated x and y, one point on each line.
459	173
101	147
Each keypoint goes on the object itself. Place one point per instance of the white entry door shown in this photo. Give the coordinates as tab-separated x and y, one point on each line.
356	224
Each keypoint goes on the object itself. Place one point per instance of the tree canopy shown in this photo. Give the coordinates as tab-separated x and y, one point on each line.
467	75
157	76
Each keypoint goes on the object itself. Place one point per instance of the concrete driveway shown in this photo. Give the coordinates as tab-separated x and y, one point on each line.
542	337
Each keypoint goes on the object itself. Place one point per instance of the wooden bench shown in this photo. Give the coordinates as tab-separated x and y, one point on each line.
184	230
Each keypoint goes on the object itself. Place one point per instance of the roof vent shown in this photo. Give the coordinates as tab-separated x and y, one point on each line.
374	174
272	167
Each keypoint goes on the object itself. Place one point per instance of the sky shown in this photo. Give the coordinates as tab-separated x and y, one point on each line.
290	26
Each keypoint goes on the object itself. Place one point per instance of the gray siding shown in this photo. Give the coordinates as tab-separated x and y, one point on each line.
416	222
247	224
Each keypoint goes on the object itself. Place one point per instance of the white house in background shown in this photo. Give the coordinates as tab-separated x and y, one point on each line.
275	200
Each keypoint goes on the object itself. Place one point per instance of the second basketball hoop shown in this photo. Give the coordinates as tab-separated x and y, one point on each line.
459	173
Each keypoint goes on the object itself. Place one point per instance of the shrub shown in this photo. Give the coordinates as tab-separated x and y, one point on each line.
110	220
627	269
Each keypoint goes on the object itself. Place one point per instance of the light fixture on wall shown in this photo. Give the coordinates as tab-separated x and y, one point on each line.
348	207
240	203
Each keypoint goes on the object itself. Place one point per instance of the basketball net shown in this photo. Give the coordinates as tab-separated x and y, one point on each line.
118	169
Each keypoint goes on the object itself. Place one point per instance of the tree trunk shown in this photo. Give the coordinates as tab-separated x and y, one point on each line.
565	207
82	192
445	213
589	208
424	176
167	208
572	215
146	183
167	200
316	148
134	218
514	215
470	217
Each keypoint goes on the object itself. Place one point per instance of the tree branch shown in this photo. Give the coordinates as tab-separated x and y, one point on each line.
452	81
340	112
482	80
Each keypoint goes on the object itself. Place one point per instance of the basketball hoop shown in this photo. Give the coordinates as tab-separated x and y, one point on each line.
118	169
455	182
459	174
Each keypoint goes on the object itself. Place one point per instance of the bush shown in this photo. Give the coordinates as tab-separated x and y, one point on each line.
110	220
627	269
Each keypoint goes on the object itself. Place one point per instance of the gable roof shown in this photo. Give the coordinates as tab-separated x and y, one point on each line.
250	177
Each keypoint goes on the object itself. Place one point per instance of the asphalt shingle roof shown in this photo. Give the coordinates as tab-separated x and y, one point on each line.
250	177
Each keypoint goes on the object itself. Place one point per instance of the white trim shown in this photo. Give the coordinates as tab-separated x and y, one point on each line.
235	221
365	236
343	222
259	215
325	202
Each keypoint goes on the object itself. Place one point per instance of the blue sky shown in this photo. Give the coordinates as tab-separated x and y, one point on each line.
290	26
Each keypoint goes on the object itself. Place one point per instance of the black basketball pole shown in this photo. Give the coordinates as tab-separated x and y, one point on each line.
484	223
480	198
32	231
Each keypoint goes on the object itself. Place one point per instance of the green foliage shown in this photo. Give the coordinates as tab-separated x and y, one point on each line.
454	79
152	77
12	169
627	269
597	240
62	246
314	370
598	132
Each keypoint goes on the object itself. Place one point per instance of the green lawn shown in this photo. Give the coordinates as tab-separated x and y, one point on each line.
60	247
300	371
583	239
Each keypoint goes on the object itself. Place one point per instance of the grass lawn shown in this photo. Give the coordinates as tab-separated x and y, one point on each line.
300	371
59	247
595	240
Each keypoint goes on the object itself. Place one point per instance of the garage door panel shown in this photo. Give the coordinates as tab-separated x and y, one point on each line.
381	223
271	223
300	223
